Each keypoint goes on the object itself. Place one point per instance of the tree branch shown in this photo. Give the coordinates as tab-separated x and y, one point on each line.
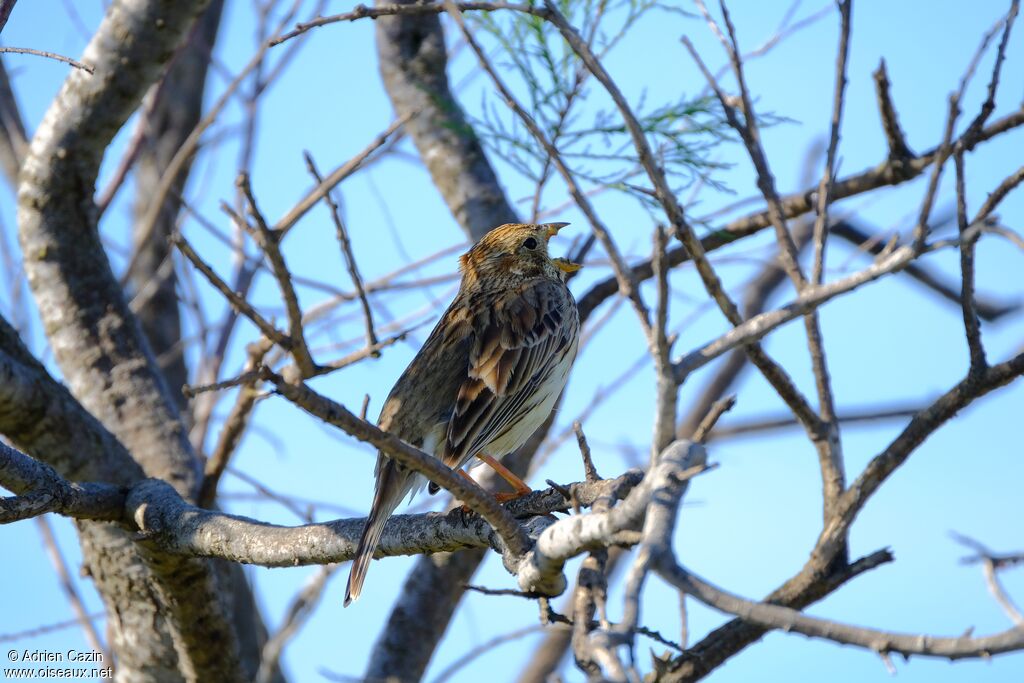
413	64
796	204
882	642
170	524
541	569
95	338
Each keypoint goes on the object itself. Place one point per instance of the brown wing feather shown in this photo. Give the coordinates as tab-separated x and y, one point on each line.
514	348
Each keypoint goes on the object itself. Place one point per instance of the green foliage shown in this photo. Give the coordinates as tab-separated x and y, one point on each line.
574	111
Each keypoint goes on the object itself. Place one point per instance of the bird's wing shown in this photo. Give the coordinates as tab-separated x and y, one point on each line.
517	343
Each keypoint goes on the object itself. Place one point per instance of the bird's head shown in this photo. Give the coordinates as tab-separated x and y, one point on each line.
518	250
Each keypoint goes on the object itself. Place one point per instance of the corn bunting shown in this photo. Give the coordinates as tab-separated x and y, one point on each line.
487	376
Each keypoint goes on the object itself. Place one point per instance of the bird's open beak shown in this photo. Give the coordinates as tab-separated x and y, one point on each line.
565	265
553	228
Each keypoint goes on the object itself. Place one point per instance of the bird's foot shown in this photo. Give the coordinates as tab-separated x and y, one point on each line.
465	510
505	497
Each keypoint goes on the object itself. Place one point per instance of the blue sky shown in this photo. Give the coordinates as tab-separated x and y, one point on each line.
748	525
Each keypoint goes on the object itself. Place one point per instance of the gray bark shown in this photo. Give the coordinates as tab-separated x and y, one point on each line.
413	64
41	417
174	114
176	111
95	338
103	355
432	591
6	6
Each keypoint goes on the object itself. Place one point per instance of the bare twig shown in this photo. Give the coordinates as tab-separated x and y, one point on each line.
183	157
346	249
366	351
47	629
972	327
812	297
989	105
991	564
718	408
825	186
49	55
484	648
921	229
796	204
828	443
757	292
898	150
751	136
236	301
269	242
786	421
364	12
997	195
775	375
298	612
234	428
135	146
808	585
627	286
589	471
882	642
988	309
920	427
285	223
433	469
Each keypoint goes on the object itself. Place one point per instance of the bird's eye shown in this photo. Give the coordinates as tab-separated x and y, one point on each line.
530	243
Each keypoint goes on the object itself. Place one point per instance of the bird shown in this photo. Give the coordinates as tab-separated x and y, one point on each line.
487	376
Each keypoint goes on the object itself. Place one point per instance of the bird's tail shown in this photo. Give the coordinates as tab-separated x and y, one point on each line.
392	486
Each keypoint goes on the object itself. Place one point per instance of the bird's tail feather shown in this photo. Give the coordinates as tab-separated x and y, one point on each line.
392	485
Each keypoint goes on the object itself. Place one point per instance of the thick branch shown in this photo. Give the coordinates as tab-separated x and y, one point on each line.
924	423
820	576
413	64
171	524
176	109
541	569
82	306
433	469
812	297
882	642
886	173
95	337
42	490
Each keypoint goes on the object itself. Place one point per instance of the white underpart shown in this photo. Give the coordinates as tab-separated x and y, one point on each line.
547	394
430	446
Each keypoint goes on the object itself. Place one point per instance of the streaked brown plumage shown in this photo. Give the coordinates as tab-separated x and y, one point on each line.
489	373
